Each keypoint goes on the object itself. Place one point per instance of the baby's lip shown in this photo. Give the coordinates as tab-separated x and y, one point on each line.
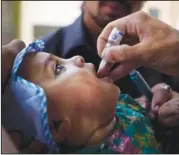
106	79
104	69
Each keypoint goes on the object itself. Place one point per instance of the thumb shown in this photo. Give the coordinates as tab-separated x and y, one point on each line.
122	53
122	70
15	46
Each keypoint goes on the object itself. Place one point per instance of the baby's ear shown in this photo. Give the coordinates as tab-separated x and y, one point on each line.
60	130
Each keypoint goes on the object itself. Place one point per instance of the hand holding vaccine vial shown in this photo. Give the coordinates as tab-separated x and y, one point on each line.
114	39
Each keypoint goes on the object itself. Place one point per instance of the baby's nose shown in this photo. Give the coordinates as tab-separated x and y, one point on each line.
79	61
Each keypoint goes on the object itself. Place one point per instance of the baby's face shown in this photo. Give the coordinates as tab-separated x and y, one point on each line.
75	95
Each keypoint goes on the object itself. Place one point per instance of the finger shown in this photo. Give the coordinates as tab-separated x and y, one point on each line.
158	86
174	101
170	121
142	101
103	38
169	108
104	71
169	113
121	24
140	98
152	115
14	46
122	53
160	96
122	70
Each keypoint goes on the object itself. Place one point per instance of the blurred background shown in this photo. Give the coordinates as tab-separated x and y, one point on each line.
28	20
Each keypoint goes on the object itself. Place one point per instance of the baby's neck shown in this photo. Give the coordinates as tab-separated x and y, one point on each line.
102	133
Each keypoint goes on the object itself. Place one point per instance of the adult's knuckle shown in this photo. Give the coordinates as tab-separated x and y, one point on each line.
142	16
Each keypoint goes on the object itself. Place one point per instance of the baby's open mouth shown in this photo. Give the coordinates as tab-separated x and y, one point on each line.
106	79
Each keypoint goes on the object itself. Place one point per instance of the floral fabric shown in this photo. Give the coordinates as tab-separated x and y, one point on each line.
133	131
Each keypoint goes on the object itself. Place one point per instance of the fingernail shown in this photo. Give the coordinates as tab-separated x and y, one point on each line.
103	53
102	64
152	115
106	48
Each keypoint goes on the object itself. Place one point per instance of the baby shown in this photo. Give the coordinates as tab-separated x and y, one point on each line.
76	112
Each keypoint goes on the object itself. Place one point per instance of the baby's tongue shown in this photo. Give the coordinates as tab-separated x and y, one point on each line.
106	79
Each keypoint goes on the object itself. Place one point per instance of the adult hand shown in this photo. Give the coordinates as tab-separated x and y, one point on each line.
9	52
147	42
168	113
7	144
160	95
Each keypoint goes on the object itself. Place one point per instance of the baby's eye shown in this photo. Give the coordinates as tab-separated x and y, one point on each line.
59	68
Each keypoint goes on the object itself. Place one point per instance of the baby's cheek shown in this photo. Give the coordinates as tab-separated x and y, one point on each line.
52	111
88	93
54	106
84	86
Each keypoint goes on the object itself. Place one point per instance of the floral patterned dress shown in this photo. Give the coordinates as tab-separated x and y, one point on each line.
133	131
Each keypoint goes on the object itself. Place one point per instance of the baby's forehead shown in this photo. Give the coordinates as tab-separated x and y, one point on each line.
35	58
36	55
36	66
32	62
